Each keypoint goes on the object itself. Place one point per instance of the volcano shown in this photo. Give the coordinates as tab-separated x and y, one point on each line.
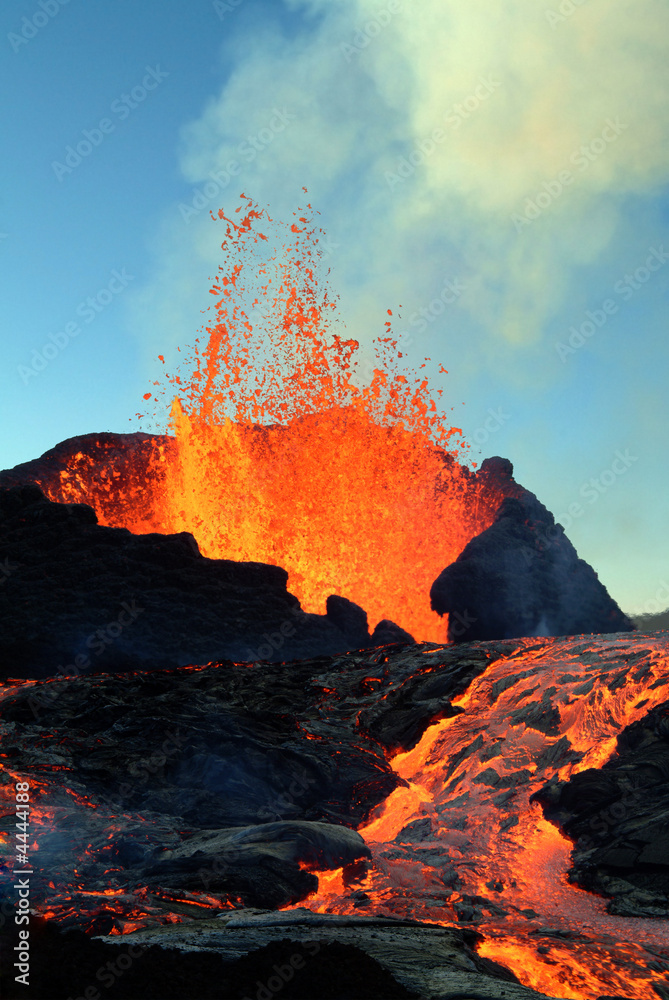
296	703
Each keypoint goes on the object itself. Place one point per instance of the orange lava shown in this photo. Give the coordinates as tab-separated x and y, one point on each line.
280	457
505	852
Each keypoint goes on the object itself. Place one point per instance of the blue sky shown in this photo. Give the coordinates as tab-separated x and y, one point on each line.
520	156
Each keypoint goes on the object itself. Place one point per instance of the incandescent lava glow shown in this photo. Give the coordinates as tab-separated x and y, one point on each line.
278	456
488	855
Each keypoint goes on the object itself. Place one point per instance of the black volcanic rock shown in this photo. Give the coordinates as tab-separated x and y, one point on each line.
216	746
522	577
202	795
618	817
350	619
388	632
64	966
77	596
208	776
399	719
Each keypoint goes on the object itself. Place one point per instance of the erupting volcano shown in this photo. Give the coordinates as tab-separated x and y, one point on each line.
406	807
277	456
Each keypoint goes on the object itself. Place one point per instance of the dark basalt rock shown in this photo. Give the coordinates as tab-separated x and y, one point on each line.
304	966
214	747
207	779
522	576
224	779
259	955
350	619
76	596
399	719
257	865
202	793
387	632
618	819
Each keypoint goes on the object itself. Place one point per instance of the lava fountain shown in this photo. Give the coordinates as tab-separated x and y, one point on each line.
277	456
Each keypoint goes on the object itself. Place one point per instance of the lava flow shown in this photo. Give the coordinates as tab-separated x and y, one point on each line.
460	842
481	851
279	457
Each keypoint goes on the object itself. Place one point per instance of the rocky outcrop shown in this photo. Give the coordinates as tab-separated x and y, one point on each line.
119	470
259	954
522	577
76	596
618	817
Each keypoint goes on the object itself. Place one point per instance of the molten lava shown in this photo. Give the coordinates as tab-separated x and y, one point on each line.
461	843
279	457
470	780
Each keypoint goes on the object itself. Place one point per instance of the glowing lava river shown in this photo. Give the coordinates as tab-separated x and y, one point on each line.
470	781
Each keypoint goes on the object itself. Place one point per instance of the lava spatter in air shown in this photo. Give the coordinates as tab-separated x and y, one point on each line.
282	455
282	458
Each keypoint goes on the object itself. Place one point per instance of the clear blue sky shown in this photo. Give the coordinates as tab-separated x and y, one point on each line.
522	158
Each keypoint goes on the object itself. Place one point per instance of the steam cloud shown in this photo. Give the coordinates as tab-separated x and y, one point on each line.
516	92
